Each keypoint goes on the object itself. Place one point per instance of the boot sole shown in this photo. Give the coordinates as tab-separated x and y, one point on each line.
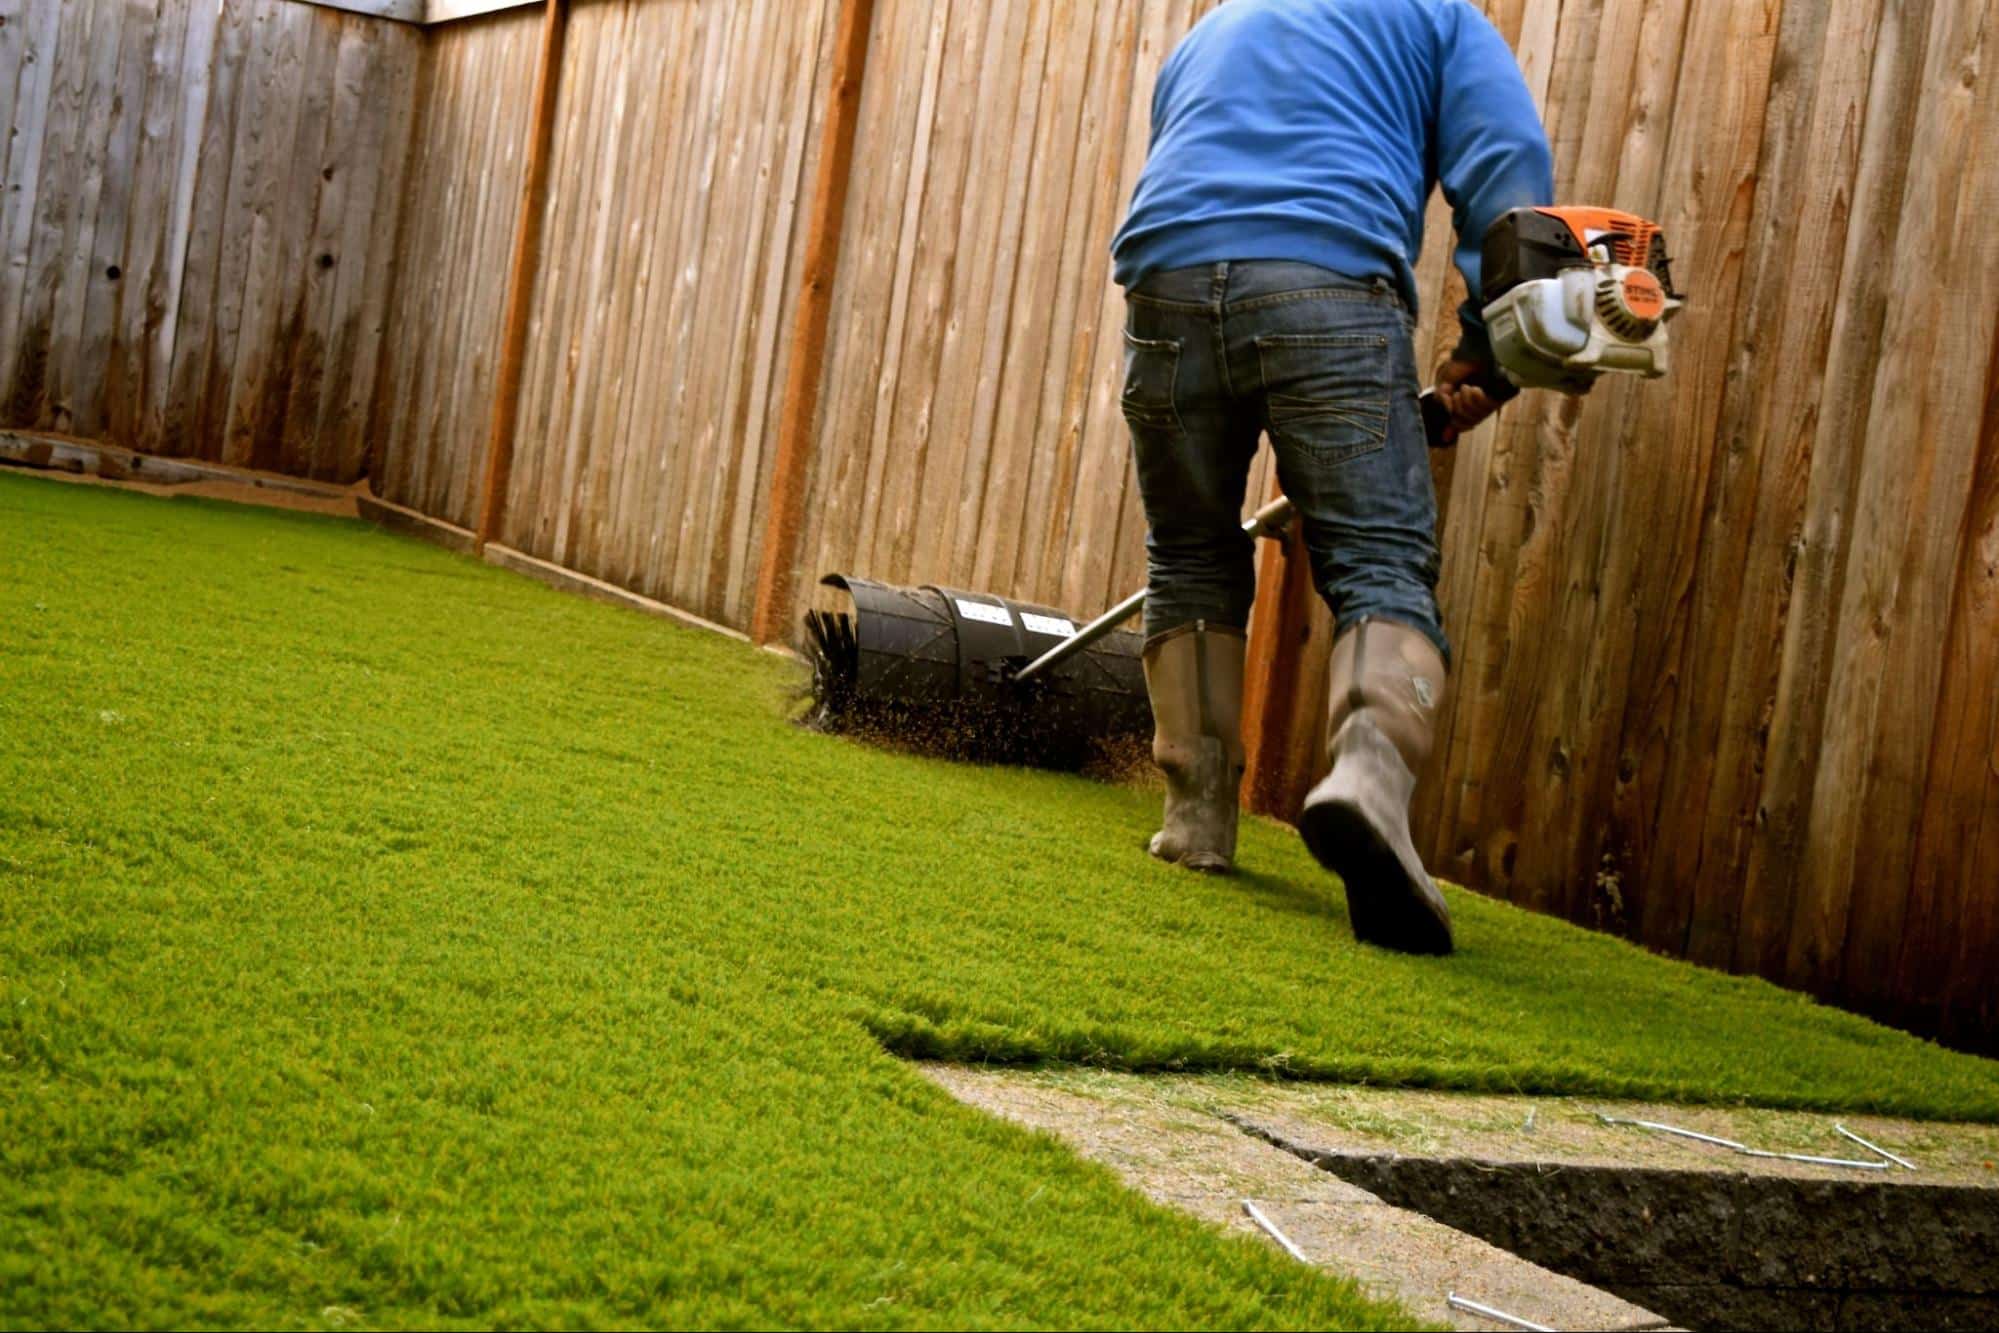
1384	907
1207	863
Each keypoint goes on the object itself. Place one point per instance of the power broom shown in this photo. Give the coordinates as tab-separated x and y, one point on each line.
1570	294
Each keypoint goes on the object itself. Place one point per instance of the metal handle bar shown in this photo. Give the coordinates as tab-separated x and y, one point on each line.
1270	520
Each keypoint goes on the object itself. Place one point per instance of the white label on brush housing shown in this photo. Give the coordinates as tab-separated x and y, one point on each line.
992	615
1048	625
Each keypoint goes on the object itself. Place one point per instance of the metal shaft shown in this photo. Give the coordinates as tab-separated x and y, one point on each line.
1269	520
1497	1316
1693	1134
1902	1162
1748	1151
1269	1228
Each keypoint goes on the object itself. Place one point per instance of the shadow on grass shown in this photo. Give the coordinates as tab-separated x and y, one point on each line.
1320	898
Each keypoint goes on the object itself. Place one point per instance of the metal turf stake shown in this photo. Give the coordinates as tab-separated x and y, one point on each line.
1747	1151
1902	1162
1457	1302
1270	1229
1730	1144
1817	1161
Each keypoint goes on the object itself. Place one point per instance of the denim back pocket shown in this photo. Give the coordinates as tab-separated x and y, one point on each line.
1327	393
1151	373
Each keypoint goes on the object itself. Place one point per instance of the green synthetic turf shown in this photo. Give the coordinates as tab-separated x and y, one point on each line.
387	939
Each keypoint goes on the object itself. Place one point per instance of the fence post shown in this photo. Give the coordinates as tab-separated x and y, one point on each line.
797	417
521	277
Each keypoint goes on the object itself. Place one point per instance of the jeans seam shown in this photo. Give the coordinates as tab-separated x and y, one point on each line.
1358	413
1383	299
1166	303
1218	330
1368	340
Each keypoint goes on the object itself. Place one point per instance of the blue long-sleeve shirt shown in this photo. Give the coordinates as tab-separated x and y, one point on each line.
1314	130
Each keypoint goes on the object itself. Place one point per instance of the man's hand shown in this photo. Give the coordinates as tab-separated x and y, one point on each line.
1462	398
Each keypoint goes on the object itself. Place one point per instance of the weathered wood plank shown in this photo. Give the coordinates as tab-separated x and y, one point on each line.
82	270
198	69
876	479
640	534
785	281
57	215
553	294
1015	435
906	411
609	511
342	56
360	238
687	332
1706	201
1098	150
1103	462
949	506
724	261
144	241
185	419
35	42
284	292
1767	435
13	62
1817	556
245	284
865	287
599	285
1856	761
1944	975
757	155
1934	400
102	261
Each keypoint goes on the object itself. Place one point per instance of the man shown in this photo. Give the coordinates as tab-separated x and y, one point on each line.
1268	266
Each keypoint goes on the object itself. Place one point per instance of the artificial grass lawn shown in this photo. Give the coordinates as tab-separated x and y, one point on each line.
386	939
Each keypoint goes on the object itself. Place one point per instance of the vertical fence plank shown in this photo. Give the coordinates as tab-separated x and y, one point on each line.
35	42
1865	750
661	275
1943	977
1663	504
144	243
1817	556
57	215
1924	396
1767	437
1106	136
811	131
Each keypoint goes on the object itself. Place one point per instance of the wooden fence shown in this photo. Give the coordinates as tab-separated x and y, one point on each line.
1728	645
1727	680
195	230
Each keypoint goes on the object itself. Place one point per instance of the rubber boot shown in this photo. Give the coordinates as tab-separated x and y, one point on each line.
1194	677
1387	684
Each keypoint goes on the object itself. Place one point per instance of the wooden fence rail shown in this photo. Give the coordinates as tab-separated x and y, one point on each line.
1727	674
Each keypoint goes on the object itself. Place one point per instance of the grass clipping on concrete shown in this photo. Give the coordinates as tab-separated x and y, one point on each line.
386	939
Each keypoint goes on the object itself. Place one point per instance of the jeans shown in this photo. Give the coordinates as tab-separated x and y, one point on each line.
1220	354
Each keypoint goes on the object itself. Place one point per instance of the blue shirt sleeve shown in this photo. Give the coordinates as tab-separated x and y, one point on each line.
1492	154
